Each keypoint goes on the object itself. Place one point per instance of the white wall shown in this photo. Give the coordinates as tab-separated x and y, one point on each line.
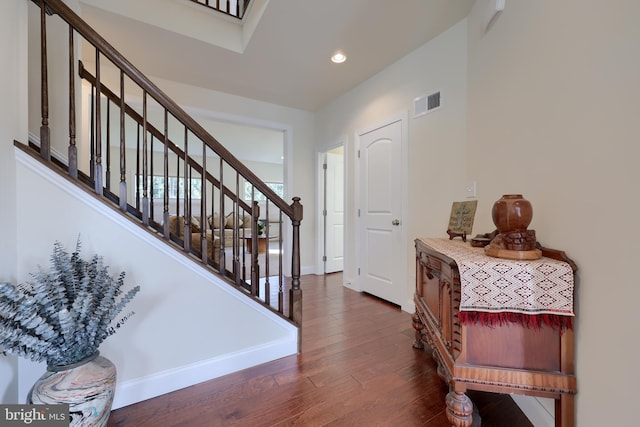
189	326
196	21
553	114
13	126
436	141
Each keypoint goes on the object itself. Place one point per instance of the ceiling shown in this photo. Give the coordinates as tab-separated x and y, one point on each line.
285	60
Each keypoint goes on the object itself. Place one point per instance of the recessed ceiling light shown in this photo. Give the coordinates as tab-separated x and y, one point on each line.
339	58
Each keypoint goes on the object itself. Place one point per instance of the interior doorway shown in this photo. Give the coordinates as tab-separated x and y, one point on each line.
332	209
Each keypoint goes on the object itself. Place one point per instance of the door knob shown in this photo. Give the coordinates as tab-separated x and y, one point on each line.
395	222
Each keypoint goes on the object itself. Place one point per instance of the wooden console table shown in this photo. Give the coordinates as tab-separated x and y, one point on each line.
491	350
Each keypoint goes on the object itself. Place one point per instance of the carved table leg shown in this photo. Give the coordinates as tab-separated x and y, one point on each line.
459	409
418	326
564	414
440	369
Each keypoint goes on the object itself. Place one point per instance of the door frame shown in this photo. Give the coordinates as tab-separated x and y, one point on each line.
320	188
403	118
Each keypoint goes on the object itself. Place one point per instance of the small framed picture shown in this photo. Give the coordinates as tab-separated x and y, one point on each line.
461	219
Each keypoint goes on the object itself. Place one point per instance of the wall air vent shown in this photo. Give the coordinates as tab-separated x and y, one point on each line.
426	104
433	101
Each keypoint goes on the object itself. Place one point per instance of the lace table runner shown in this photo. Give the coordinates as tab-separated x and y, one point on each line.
488	284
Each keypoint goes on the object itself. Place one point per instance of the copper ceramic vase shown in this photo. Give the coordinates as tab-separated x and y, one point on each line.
512	213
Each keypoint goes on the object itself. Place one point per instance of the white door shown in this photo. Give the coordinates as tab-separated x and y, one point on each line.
334	211
380	253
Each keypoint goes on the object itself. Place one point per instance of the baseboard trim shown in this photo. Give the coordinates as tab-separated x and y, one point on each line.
409	306
534	410
134	391
309	269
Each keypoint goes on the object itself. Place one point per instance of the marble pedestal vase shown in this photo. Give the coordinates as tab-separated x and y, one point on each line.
87	386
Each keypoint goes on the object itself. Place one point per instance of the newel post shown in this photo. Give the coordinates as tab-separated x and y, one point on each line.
295	300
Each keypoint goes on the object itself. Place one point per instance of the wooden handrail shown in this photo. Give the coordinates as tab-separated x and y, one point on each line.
86	75
81	27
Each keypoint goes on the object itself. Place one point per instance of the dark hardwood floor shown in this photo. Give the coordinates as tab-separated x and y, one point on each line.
357	368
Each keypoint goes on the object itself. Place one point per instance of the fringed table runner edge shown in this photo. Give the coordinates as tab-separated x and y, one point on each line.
538	292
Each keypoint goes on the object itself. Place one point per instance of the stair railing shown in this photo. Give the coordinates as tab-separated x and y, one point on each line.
235	8
182	185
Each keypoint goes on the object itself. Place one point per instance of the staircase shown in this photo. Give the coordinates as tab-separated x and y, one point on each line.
141	153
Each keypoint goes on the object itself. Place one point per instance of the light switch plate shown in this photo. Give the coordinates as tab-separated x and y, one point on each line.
471	189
